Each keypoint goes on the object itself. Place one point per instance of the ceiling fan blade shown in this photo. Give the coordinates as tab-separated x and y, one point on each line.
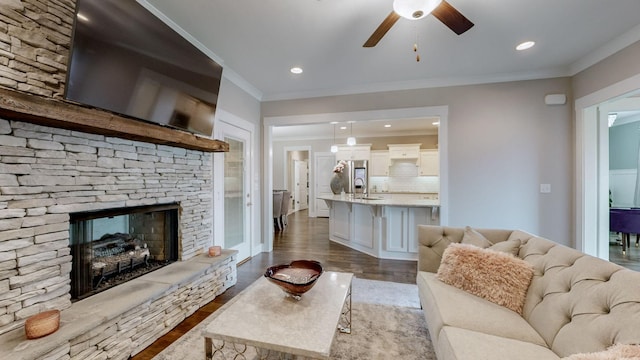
452	18
386	24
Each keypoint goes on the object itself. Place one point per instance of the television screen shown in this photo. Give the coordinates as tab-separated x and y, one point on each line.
126	60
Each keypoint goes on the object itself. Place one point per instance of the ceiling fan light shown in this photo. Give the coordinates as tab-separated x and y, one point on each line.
415	9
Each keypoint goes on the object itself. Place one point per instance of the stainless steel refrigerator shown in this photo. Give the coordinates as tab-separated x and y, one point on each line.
358	176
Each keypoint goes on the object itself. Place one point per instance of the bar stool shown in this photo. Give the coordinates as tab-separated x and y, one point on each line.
284	210
277	209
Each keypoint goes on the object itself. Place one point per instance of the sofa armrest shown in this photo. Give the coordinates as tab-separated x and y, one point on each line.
432	240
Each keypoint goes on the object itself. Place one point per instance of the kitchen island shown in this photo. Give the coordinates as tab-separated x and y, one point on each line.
378	225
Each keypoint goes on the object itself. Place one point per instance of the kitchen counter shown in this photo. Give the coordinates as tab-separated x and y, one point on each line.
380	200
384	227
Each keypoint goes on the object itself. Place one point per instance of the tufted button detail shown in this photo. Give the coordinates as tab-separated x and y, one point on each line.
429	246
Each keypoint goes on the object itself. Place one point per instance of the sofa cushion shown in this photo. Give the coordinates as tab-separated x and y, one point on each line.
510	246
615	352
445	305
473	237
462	344
496	276
433	240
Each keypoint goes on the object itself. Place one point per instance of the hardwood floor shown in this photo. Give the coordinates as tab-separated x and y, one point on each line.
303	238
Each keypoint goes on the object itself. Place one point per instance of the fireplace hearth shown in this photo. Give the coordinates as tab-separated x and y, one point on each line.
110	247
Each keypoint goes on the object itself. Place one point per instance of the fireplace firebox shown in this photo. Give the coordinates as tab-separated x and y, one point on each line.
112	246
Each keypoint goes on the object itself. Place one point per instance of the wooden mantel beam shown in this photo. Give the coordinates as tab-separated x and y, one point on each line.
62	114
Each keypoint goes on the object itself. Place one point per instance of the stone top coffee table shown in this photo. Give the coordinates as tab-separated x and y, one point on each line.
263	322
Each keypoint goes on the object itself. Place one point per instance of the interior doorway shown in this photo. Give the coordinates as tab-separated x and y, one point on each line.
271	122
296	176
624	183
301	184
592	166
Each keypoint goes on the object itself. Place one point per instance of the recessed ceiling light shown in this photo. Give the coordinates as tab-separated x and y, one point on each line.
343	128
436	123
387	125
333	122
525	45
296	70
82	17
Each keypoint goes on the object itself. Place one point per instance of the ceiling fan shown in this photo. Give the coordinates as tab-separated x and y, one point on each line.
417	9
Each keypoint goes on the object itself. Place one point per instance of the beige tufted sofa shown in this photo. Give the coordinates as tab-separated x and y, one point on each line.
576	303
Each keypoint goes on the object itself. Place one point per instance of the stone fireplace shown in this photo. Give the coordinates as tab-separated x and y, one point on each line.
52	179
49	175
112	246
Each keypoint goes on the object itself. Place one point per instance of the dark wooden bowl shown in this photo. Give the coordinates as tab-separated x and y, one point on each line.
295	278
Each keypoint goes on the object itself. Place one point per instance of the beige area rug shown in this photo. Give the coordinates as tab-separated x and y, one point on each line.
386	323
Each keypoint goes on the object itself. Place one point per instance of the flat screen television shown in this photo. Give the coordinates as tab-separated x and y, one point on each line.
126	60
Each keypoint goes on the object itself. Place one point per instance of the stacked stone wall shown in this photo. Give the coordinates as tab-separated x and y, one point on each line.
48	173
35	37
124	335
138	328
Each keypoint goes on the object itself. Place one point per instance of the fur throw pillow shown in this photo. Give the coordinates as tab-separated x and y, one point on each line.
615	352
493	275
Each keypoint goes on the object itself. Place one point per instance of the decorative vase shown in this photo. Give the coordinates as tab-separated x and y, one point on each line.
336	183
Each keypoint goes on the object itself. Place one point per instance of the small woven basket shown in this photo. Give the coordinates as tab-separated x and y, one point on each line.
42	324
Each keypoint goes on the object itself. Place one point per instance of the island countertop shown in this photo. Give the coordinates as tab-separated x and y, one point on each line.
381	201
382	226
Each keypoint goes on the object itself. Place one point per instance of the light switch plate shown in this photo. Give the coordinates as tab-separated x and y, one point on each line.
545	188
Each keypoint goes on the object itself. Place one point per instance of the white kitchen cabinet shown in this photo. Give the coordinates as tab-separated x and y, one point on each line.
340	226
379	164
429	163
397	234
419	216
404	151
364	229
402	227
355	152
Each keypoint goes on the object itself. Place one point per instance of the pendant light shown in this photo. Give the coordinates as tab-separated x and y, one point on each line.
334	147
351	140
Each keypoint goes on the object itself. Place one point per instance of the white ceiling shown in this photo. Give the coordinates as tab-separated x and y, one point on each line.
258	41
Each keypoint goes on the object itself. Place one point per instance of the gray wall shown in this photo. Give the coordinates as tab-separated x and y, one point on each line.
278	157
617	67
240	103
503	141
623	146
